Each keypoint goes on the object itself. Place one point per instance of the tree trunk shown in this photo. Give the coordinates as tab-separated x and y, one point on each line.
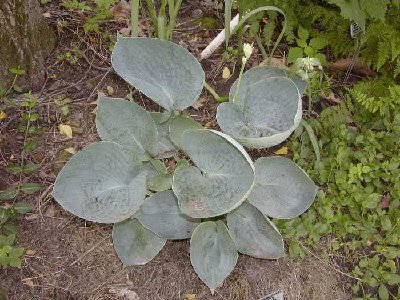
25	41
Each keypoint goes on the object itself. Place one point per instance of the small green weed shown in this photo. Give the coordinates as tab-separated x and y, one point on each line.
11	206
70	57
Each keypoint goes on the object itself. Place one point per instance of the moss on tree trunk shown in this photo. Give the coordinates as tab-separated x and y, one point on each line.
25	41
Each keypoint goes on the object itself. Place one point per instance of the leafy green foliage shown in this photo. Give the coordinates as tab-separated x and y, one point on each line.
381	44
306	47
361	10
359	203
377	95
329	21
98	10
11	206
10	253
107	181
101	12
75	4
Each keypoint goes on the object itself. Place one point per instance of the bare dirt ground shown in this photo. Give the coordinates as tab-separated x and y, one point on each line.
68	258
74	260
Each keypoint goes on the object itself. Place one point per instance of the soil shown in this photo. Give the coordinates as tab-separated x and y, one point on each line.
68	258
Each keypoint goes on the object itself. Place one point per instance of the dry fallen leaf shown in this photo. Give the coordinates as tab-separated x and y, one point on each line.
276	62
70	150
3	115
30	252
65	130
124	293
31	217
332	98
282	151
226	73
121	11
46	15
359	67
28	282
208	125
50	211
190	296
125	31
199	103
110	90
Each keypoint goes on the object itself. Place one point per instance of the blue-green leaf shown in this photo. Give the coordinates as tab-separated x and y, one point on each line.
165	72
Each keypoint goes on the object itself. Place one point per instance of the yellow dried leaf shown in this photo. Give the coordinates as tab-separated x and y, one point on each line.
28	282
70	150
65	130
282	151
190	296
3	115
226	73
110	90
30	252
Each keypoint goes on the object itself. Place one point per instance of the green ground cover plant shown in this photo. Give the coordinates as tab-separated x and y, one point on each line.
358	206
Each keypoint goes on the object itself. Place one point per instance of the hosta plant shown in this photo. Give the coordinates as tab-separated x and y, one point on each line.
218	197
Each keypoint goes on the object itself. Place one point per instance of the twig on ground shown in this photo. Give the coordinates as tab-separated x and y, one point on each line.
329	266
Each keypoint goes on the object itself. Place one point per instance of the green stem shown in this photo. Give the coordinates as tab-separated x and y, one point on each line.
213	93
28	124
12	85
134	17
313	139
239	80
172	19
228	16
309	96
257	10
161	27
261	47
161	21
152	14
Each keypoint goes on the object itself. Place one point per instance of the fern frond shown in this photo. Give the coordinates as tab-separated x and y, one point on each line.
375	95
396	71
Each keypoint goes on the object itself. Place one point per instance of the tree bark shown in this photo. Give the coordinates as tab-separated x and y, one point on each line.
25	41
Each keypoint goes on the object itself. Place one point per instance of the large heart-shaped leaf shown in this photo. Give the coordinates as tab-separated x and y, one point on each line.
179	125
254	234
213	253
127	124
160	213
165	72
166	148
257	74
271	112
134	243
223	178
282	189
264	113
102	183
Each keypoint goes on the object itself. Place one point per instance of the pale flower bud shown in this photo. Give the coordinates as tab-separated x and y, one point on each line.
248	50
